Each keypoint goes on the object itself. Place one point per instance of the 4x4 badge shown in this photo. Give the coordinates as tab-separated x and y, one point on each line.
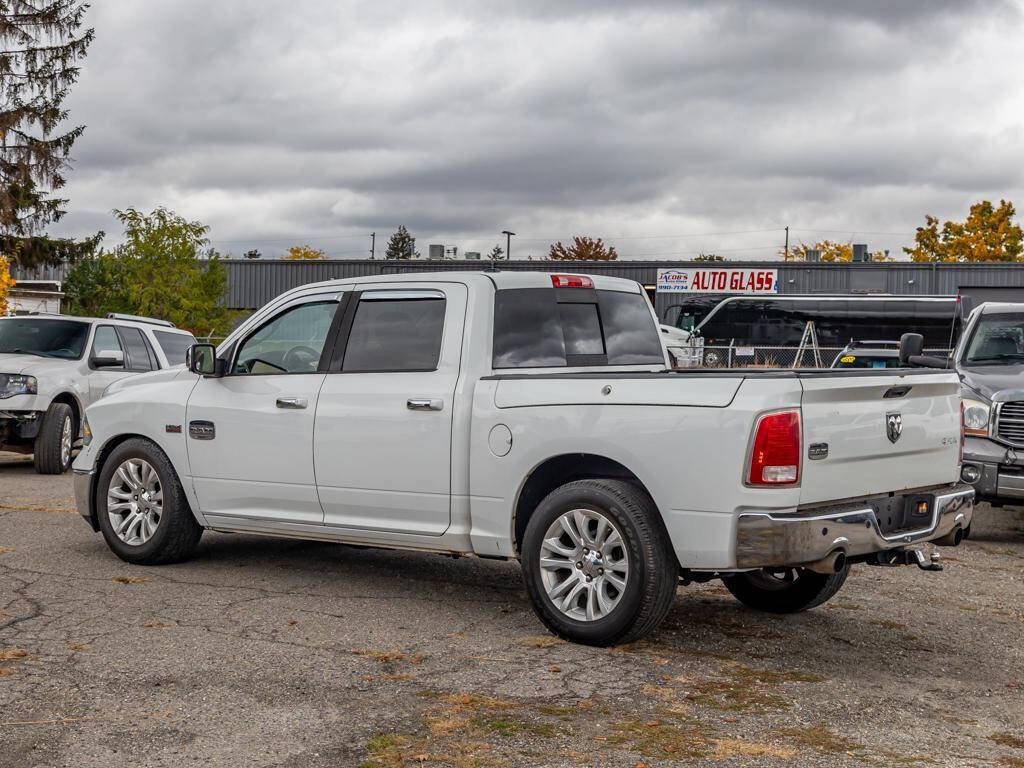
893	425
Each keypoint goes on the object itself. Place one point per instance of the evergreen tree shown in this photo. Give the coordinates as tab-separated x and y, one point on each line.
401	245
41	42
497	253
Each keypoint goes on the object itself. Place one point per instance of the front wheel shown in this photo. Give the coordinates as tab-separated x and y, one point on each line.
141	506
51	453
784	590
597	563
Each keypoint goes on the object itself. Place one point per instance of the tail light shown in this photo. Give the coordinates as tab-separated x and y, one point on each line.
775	453
571	281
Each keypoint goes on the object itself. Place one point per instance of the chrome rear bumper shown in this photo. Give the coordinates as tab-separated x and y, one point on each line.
765	539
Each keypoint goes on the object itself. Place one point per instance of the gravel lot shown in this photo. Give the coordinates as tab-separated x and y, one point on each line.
264	652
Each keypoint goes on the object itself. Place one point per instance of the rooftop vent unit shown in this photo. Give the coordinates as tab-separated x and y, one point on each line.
435	252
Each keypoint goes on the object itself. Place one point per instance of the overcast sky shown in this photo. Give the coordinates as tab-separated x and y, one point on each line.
668	128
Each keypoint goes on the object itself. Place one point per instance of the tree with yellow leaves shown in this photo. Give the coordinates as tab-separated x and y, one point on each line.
304	253
6	283
988	234
830	251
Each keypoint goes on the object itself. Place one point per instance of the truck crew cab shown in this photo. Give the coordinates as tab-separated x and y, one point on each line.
528	416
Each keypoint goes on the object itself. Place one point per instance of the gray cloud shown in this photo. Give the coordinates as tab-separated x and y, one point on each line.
460	119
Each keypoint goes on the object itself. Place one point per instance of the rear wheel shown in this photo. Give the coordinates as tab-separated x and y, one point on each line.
51	453
784	590
597	563
141	506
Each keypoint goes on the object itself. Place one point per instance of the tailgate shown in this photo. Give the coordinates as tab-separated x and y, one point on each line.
865	433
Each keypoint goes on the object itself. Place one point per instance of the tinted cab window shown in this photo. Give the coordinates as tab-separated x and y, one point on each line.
555	327
395	331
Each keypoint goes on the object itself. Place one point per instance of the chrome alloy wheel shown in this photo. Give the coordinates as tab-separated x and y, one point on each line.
135	501
584	565
65	443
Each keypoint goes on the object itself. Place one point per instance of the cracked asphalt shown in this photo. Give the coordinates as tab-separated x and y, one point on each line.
264	652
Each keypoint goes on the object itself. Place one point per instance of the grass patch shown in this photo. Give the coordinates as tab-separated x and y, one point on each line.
663	739
11	654
820	738
729	748
746	689
539	641
685	740
513	726
386	750
1008	740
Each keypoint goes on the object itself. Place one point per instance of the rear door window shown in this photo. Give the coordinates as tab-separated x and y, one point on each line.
138	357
395	331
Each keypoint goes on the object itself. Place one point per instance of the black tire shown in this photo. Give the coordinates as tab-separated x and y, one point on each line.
653	569
784	590
47	453
177	532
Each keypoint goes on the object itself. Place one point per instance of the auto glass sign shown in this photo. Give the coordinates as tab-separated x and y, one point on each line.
703	280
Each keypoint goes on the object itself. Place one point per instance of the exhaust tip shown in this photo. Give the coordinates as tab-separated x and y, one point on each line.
951	539
831	563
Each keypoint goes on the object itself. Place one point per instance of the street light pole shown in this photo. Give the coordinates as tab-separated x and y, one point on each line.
508	243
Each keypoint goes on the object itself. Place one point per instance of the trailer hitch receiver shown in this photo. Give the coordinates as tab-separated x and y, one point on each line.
904	556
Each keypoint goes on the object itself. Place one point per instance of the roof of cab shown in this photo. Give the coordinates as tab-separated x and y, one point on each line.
993	307
497	278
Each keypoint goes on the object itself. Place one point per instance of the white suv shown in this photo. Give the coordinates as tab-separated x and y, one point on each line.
53	366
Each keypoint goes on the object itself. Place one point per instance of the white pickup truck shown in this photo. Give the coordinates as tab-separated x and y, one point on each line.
530	416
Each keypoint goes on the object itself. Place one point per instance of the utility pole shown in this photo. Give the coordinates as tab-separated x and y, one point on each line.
787	243
508	243
373	243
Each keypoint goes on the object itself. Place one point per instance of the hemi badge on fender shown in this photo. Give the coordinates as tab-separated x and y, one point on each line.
174	429
817	451
201	430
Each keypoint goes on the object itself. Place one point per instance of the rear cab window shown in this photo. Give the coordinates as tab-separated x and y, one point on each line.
573	327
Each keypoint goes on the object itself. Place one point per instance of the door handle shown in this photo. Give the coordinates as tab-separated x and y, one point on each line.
424	404
292	402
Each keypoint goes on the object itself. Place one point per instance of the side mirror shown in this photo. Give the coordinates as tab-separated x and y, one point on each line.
911	345
202	359
109	358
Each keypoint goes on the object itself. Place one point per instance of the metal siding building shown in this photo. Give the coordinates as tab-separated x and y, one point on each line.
253	283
